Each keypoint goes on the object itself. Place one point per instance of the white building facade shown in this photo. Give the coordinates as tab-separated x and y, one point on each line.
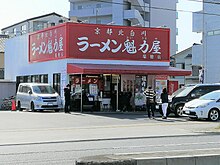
33	24
184	60
207	55
145	13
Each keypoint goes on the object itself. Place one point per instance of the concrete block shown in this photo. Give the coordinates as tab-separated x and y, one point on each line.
184	160
151	161
211	159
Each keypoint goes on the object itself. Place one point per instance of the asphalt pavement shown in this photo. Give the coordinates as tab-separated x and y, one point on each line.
24	128
97	125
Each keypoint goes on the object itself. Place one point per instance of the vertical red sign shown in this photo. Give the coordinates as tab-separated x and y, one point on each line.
172	87
49	44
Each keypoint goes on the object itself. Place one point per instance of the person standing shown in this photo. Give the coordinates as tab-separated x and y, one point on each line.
164	98
67	98
150	101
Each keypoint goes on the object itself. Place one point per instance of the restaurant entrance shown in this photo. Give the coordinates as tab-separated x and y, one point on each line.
98	92
109	92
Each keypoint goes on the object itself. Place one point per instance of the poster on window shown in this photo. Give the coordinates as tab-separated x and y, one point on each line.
160	85
139	99
93	89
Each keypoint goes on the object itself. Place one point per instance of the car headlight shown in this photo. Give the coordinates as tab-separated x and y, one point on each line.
58	98
38	98
202	106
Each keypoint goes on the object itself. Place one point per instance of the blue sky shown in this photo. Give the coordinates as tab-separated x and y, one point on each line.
13	11
186	37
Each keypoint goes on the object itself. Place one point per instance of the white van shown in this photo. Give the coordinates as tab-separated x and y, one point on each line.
37	96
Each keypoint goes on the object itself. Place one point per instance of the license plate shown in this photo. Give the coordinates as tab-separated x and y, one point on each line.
50	104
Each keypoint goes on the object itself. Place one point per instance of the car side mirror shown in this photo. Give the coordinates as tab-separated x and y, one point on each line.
29	92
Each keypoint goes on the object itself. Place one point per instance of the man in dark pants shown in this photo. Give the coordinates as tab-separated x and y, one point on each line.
150	101
67	98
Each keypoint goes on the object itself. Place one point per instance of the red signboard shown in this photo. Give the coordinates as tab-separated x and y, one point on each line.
48	44
93	41
118	42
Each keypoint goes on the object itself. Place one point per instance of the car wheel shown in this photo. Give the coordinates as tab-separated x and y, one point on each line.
19	106
179	110
32	107
213	115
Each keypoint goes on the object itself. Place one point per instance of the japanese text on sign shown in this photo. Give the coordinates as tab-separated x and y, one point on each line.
47	43
129	46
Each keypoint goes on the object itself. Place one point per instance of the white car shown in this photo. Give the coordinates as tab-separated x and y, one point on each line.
206	107
37	96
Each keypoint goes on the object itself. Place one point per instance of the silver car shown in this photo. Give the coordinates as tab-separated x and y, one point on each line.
37	96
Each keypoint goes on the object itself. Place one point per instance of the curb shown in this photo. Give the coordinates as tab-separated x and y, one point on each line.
186	158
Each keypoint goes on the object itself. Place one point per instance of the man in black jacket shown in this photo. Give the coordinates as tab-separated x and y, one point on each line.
67	99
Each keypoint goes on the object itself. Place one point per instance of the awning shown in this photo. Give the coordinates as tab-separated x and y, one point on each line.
125	69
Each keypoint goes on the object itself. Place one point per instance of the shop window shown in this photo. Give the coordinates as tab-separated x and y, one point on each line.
43	78
56	82
107	82
20	79
25	79
35	78
1	73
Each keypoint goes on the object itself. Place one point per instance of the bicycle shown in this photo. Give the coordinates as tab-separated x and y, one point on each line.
7	103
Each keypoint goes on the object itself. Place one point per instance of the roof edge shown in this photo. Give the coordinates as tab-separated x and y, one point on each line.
33	18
